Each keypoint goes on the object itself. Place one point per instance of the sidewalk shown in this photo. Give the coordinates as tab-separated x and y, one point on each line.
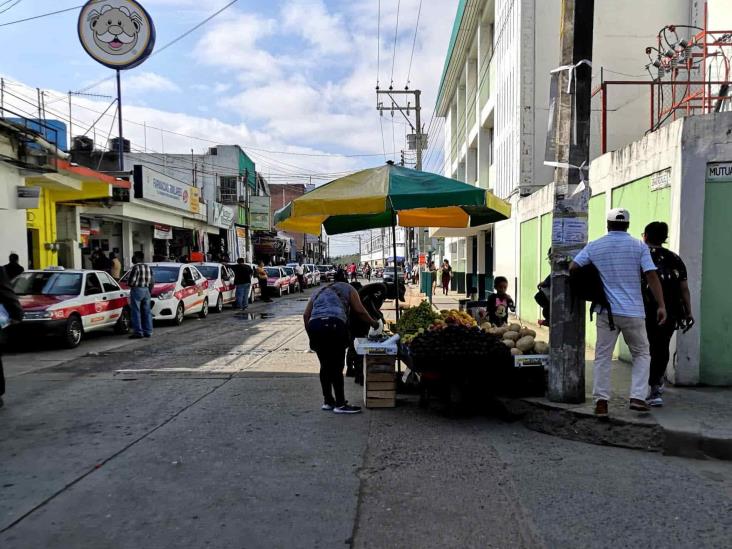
695	422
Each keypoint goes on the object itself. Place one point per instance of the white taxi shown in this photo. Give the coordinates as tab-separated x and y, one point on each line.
180	290
70	303
221	288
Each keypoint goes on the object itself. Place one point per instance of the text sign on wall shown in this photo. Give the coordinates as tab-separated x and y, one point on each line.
259	213
719	172
162	189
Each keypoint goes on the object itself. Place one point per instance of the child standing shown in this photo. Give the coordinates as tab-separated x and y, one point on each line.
500	303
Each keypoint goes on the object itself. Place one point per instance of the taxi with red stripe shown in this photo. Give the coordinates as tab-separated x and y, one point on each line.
180	290
221	288
70	303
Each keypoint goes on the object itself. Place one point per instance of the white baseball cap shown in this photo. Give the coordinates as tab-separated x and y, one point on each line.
619	214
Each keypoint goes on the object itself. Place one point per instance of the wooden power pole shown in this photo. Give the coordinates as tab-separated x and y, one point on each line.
569	231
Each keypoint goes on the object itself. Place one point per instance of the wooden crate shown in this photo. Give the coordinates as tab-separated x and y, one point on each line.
379	388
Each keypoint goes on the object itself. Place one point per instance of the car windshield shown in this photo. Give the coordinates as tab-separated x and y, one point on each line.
272	271
47	283
288	270
165	275
209	271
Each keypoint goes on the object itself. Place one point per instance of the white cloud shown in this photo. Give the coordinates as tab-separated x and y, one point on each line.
138	83
311	20
232	44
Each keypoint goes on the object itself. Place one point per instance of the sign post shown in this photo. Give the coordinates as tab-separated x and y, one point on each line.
120	35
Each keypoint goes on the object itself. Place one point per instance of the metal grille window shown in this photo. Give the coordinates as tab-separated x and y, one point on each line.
227	190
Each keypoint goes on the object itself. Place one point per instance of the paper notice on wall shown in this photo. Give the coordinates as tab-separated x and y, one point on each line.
569	231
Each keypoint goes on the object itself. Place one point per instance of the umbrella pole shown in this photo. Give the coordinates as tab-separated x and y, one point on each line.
396	277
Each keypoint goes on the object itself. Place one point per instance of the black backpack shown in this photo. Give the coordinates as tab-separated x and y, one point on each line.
587	285
671	285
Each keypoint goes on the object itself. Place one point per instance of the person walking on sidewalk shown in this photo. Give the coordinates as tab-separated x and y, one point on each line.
300	272
13	268
446	276
243	283
326	323
9	301
262	279
620	259
672	274
141	283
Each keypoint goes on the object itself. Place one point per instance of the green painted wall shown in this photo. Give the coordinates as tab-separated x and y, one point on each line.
246	165
716	330
529	270
644	206
545	243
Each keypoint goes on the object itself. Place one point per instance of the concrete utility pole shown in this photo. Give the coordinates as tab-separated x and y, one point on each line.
569	231
416	141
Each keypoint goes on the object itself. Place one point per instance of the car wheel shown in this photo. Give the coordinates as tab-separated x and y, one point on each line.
123	322
73	332
219	304
179	314
279	291
204	309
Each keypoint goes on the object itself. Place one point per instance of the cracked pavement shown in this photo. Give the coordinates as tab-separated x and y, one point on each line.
210	435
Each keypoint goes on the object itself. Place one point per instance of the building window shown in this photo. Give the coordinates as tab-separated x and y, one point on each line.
227	190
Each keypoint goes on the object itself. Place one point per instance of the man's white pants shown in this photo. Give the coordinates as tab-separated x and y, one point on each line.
634	333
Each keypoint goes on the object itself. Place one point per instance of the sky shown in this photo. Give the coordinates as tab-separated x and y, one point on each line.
291	81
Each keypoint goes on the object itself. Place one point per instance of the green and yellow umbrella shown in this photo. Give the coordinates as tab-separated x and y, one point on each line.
390	195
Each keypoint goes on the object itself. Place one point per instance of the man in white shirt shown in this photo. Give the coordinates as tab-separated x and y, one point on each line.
620	260
300	272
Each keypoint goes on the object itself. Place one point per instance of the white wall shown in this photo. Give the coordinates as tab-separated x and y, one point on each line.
12	220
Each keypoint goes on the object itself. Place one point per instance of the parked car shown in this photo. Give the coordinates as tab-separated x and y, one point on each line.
388	274
221	289
294	281
277	280
70	303
180	290
327	273
312	275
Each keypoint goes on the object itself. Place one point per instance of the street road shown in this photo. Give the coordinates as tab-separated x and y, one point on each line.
211	435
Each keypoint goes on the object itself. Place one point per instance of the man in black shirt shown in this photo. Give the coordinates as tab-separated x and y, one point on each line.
12	307
243	283
13	268
672	274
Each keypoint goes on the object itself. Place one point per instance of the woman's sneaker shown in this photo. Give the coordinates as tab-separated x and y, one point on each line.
326	407
347	409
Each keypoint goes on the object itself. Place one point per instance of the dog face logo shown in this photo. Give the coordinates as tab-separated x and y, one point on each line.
117	33
115	29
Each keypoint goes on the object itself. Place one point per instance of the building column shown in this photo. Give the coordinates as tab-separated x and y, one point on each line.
127	245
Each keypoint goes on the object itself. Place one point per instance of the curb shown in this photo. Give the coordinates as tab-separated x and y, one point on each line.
622	429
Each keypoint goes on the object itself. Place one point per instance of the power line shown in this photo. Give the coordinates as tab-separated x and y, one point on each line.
414	42
41	15
378	43
10	6
166	46
396	33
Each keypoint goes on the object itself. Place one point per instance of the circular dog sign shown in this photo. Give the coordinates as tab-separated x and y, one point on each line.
117	33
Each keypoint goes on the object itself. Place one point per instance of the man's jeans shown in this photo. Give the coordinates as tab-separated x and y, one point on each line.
141	311
634	333
242	295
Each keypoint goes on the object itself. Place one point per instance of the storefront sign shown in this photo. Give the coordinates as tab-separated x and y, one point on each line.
162	189
27	197
119	34
661	180
719	172
259	213
422	259
241	242
220	215
162	232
